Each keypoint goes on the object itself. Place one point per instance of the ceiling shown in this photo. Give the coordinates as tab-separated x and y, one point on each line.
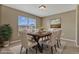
50	10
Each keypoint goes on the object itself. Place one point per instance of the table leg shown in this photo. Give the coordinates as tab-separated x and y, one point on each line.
40	48
38	45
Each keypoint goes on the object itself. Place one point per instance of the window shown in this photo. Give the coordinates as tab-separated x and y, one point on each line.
24	22
32	23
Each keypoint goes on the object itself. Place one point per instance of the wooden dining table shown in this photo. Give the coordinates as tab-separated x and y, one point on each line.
37	36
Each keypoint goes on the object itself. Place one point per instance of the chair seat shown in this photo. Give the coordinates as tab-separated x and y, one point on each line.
49	43
30	44
43	41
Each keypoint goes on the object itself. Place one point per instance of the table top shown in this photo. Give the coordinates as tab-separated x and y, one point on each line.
40	34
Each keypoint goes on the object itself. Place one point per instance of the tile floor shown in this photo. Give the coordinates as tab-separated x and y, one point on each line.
67	47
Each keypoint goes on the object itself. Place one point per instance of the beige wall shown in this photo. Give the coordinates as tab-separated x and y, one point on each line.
68	23
39	22
10	16
0	14
78	25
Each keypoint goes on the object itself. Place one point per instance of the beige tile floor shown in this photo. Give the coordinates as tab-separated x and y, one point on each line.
69	47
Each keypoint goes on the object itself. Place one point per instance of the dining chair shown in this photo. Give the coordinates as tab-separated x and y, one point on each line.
59	38
26	42
52	42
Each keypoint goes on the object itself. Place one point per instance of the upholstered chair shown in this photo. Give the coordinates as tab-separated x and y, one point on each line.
26	42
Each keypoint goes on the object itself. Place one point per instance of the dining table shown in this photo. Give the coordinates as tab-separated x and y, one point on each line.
37	36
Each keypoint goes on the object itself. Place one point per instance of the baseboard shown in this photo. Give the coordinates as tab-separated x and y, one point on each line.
77	45
68	39
12	42
15	41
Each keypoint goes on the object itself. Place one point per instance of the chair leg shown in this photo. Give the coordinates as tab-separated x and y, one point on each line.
46	46
21	49
42	47
55	48
52	49
36	49
26	51
58	44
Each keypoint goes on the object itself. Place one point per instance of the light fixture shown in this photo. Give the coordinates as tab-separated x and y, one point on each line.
42	7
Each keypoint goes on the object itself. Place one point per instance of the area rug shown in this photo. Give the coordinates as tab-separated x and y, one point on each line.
16	50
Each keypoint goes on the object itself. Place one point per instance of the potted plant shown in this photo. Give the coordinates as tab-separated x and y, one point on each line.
5	33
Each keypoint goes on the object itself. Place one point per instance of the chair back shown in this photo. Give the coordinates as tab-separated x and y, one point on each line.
24	39
59	34
53	37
